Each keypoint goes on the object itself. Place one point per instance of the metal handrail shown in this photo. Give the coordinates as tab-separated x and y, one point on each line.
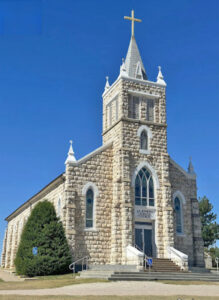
84	259
145	255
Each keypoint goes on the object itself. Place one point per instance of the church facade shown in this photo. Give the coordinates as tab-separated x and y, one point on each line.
128	194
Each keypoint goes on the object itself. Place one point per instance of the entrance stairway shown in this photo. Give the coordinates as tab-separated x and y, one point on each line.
178	276
163	265
162	269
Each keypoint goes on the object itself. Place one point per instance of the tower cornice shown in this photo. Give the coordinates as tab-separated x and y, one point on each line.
140	81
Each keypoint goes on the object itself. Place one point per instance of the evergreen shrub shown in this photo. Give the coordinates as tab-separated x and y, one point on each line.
43	230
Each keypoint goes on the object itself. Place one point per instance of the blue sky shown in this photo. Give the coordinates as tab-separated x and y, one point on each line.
54	56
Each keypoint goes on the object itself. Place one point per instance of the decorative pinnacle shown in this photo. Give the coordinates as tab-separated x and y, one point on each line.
71	155
160	79
190	167
123	69
107	86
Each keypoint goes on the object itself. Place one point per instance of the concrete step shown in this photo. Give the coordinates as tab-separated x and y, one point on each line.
164	276
164	265
95	274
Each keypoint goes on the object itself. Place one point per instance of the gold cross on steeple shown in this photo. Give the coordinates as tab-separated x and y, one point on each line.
132	18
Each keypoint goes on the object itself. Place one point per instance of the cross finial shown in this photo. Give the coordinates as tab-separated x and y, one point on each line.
70	142
132	18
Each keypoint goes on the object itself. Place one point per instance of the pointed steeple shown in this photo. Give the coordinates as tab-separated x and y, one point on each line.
71	156
133	62
190	167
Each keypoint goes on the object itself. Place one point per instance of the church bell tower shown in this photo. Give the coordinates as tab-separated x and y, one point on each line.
134	119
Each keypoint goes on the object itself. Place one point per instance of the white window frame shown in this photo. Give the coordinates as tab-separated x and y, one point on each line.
87	186
149	134
180	196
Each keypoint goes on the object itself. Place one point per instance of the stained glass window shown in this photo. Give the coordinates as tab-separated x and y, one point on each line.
89	208
144	188
177	206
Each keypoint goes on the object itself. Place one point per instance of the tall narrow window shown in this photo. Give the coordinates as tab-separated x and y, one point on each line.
109	107
178	212
144	188
150	110
59	208
89	208
117	109
144	140
133	110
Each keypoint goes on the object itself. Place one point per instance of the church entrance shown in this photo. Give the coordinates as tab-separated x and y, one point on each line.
144	237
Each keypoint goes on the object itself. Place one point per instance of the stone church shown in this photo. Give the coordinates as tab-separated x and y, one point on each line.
128	197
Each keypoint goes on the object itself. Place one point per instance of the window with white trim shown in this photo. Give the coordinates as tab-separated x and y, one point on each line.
144	140
145	135
133	107
144	188
89	208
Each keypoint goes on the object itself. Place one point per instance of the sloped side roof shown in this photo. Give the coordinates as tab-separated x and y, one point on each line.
58	180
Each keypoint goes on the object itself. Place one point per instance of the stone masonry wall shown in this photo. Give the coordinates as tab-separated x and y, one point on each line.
187	242
95	242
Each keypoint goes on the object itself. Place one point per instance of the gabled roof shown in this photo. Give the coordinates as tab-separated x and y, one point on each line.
133	60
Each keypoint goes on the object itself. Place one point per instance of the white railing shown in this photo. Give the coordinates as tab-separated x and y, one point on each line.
134	256
84	261
179	258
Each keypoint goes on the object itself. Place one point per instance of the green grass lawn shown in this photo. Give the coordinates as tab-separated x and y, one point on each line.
106	297
44	282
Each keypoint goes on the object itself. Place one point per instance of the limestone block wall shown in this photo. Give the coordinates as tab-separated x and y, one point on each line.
17	220
190	242
95	242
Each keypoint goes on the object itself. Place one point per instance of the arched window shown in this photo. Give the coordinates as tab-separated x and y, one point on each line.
144	140
144	188
178	214
145	135
89	208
